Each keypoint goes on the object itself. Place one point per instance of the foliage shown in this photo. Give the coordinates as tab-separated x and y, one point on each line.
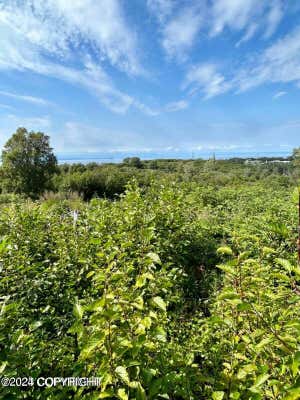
174	289
253	334
28	163
133	162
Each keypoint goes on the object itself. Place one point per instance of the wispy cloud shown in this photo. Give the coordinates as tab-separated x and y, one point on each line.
161	8
6	107
179	25
274	17
246	15
278	95
206	79
29	99
59	26
75	41
151	112
180	32
183	23
35	123
39	36
279	62
176	106
250	32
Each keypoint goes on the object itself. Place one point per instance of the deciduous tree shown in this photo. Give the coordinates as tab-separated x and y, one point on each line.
28	163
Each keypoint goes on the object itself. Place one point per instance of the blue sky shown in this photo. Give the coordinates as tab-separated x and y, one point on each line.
152	75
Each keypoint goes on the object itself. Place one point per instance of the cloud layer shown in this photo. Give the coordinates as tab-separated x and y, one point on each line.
277	63
74	40
153	61
42	35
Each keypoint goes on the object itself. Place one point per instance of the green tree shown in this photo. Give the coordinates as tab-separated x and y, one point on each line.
133	162
28	163
296	158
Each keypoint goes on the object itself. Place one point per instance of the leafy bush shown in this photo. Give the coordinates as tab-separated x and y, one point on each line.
171	291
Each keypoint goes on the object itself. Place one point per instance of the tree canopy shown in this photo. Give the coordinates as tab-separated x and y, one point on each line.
28	163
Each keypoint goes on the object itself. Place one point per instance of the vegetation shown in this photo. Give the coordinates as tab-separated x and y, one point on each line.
175	280
27	163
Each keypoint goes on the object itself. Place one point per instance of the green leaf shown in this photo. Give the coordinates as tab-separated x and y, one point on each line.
228	295
260	380
264	342
225	250
160	334
141	280
243	307
245	370
3	366
106	394
140	392
154	257
293	394
90	346
285	264
91	273
159	303
228	269
139	303
122	375
122	395
36	325
218	395
146	322
78	311
148	374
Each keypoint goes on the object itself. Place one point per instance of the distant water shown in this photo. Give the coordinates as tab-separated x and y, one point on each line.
117	157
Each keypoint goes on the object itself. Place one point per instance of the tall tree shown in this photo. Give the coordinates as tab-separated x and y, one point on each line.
296	158
28	163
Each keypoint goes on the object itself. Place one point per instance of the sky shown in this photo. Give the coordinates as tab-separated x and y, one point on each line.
152	75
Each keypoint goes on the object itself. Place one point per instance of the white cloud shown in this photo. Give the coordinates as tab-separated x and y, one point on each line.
145	109
34	33
57	26
278	95
274	17
90	77
29	99
31	123
234	14
176	106
248	15
206	79
279	62
250	32
5	106
161	8
181	22
180	32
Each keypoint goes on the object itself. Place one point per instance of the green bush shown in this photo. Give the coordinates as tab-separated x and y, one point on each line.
173	290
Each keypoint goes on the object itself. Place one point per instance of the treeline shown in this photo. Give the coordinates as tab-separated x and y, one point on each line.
108	180
30	168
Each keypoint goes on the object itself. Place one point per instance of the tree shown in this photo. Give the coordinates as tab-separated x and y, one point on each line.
133	162
296	158
28	163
